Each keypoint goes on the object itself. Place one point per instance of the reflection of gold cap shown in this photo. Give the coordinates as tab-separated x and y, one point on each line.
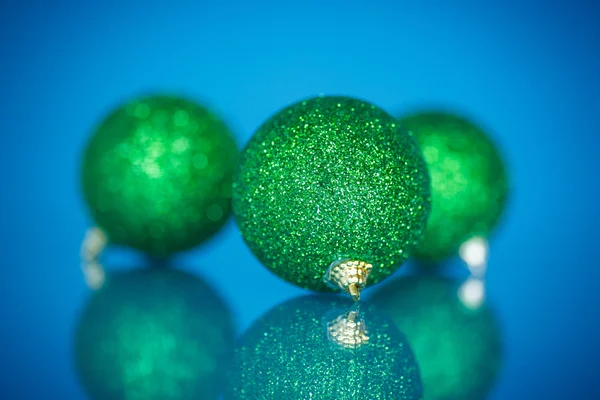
94	274
348	330
348	275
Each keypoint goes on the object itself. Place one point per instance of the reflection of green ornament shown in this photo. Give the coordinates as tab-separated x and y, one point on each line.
468	181
153	334
320	347
458	348
330	180
157	174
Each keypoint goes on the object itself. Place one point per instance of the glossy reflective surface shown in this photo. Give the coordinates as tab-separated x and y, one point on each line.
153	333
323	347
456	336
528	71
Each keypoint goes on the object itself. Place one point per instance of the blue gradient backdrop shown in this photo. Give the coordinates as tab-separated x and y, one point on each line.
529	72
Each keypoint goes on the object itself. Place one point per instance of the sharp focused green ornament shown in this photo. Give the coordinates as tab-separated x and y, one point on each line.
458	347
157	174
329	193
323	347
153	334
468	181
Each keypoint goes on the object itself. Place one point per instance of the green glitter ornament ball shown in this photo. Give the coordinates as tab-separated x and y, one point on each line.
153	334
459	349
314	347
330	179
157	174
468	181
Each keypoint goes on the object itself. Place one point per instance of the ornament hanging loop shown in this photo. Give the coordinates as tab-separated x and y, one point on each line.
354	291
349	276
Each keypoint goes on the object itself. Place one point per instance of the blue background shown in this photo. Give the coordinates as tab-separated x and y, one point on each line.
528	72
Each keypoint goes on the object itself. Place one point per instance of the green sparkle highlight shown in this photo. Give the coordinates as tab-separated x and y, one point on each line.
328	179
157	174
459	349
287	354
469	184
153	334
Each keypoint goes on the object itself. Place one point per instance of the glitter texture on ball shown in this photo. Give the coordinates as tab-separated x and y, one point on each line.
323	347
157	174
458	346
468	181
329	180
153	334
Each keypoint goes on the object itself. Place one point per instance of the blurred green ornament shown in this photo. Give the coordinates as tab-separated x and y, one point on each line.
323	347
329	192
157	174
458	346
468	181
153	334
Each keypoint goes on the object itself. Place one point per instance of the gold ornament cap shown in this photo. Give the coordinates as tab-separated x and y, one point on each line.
348	275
